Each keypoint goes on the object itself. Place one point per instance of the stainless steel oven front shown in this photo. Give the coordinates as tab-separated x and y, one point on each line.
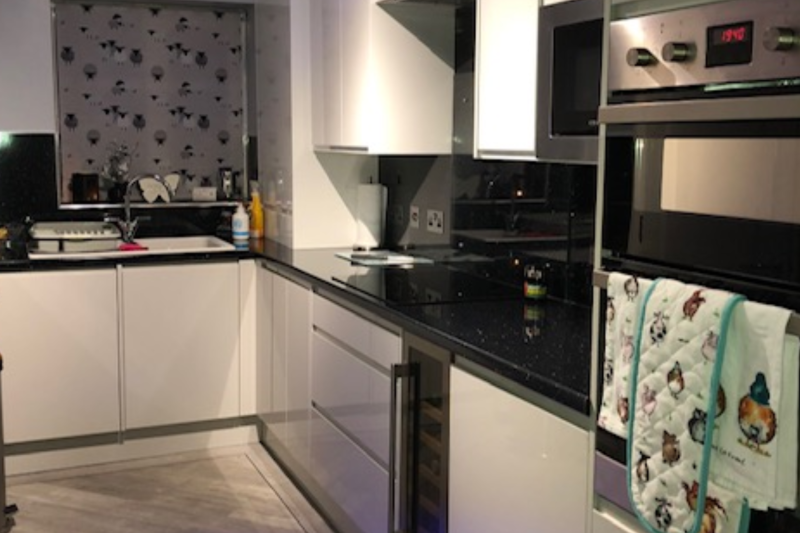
702	160
570	57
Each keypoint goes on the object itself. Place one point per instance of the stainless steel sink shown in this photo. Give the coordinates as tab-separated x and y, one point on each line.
152	246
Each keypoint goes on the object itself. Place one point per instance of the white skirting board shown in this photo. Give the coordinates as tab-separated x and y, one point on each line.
129	450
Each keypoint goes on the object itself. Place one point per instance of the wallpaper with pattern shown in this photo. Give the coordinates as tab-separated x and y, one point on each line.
167	82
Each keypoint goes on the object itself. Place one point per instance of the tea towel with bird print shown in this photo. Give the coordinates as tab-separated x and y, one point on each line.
623	302
756	437
669	449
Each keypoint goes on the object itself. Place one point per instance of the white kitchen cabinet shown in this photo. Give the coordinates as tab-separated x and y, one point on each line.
351	360
264	340
181	343
298	338
60	348
513	466
378	87
288	417
506	48
28	81
350	478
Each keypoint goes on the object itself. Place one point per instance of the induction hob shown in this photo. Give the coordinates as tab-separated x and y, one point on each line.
427	284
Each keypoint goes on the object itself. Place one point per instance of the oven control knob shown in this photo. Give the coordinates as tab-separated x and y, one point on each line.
779	39
676	52
639	57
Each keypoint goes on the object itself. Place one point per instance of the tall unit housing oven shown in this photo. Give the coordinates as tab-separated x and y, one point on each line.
701	178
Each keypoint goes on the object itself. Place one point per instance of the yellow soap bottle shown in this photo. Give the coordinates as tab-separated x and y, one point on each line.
256	212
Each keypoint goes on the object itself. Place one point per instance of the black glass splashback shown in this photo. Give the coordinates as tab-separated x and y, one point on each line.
27	176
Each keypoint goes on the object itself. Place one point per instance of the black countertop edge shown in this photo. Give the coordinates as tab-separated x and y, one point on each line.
12	265
486	352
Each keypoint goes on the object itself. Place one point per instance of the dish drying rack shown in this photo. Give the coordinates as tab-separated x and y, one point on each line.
89	236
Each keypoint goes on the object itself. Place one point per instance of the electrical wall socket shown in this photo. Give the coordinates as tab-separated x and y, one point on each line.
397	215
413	216
435	221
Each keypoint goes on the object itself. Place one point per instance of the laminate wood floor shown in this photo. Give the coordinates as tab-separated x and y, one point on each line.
232	490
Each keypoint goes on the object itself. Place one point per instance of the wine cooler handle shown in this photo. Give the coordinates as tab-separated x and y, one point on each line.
399	372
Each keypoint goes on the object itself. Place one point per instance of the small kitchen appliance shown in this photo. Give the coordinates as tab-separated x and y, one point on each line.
568	89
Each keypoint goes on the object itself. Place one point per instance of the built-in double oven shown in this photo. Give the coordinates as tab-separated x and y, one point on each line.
702	166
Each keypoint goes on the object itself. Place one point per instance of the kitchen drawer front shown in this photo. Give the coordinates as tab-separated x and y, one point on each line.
358	485
352	394
378	344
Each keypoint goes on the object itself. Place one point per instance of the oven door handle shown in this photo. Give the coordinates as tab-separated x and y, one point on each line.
398	373
708	110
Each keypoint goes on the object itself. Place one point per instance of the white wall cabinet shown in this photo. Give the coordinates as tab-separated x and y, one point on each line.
513	466
378	88
181	343
28	80
59	343
506	48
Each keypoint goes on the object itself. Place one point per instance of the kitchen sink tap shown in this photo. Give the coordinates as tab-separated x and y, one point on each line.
128	225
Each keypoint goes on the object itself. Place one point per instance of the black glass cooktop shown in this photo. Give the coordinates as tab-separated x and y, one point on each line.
425	284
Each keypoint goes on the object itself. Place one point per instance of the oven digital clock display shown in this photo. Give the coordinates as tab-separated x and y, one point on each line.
729	44
741	33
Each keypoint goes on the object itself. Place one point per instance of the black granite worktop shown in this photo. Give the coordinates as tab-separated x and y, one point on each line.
544	347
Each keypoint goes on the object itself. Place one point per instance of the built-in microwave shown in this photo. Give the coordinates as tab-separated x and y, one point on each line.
568	92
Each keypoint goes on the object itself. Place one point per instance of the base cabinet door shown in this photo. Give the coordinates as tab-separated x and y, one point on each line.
355	482
60	350
181	343
298	339
288	413
513	466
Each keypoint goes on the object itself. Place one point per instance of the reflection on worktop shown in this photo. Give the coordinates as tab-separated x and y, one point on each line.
426	284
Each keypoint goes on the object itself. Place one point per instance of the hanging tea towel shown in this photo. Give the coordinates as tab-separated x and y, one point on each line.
679	349
756	438
623	302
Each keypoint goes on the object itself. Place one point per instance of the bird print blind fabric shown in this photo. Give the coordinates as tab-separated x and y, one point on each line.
164	83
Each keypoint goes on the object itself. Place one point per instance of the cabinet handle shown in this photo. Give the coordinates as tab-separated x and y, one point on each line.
398	373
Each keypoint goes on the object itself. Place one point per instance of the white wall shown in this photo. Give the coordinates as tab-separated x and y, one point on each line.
27	86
